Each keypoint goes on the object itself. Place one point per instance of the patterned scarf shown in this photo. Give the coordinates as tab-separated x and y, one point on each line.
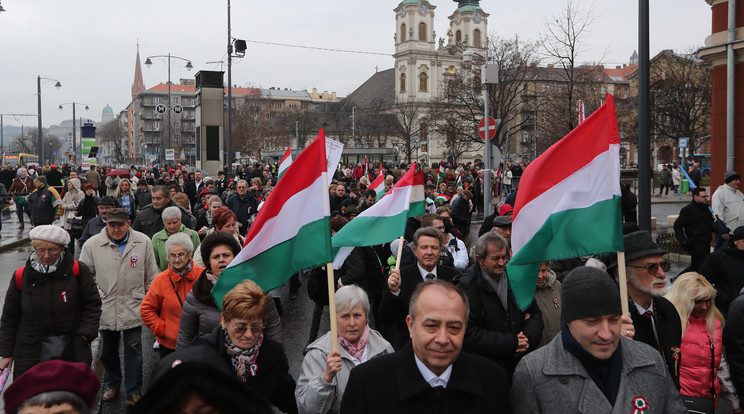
243	360
356	350
45	269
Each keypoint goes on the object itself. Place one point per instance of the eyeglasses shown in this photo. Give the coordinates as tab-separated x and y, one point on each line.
242	329
653	268
42	252
179	256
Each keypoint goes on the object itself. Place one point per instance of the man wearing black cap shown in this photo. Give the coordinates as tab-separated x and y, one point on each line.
723	269
589	367
728	204
655	319
95	225
502	225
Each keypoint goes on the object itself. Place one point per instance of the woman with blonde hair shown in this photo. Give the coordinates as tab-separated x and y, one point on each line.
125	196
693	297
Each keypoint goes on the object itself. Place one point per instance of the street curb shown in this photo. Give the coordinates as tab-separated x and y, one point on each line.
13	244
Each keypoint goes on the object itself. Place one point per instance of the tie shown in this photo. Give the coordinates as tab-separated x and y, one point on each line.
648	314
430	276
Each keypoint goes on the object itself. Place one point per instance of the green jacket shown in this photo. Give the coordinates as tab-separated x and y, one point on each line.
158	245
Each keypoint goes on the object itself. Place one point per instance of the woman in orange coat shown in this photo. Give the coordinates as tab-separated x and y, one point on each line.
161	308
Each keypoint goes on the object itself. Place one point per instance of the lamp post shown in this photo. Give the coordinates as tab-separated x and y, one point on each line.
148	63
40	144
74	130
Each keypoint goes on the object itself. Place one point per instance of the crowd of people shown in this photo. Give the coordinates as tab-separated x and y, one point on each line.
438	330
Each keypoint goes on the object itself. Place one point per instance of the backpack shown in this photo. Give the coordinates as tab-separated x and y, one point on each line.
20	270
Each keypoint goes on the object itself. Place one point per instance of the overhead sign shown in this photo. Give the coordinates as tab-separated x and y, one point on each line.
177	109
161	108
684	142
170	154
491	128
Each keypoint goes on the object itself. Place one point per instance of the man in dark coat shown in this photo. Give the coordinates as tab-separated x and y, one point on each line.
401	284
655	319
723	269
693	229
430	374
54	177
149	220
497	328
733	343
244	205
193	188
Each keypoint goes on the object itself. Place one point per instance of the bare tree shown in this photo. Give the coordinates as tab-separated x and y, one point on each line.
303	123
408	117
251	125
25	142
114	135
374	125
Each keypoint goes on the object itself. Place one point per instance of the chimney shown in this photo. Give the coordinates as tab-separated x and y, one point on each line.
550	66
617	67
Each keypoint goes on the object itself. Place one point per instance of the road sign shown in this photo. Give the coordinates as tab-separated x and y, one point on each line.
170	154
491	128
683	142
161	108
177	109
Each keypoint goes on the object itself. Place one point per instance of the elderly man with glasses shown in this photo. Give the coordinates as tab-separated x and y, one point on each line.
655	320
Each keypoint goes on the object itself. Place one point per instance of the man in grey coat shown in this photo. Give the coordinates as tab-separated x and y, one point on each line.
589	367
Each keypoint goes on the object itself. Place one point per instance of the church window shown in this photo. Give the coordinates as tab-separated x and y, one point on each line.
403	32
422	32
458	37
402	82
423	82
476	38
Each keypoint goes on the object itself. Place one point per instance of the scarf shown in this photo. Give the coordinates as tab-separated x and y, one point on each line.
604	372
242	358
185	270
211	277
45	269
356	350
209	218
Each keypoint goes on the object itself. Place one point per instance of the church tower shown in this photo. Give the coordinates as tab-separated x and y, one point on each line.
469	25
139	85
414	49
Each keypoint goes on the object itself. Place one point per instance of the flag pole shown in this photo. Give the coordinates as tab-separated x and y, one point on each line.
621	280
332	307
400	251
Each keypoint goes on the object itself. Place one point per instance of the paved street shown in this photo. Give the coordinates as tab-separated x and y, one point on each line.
297	313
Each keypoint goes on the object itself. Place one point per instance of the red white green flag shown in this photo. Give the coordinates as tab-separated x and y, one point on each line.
385	220
285	163
568	203
379	186
291	232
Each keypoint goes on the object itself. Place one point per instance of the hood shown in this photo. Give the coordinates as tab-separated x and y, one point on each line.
75	183
549	280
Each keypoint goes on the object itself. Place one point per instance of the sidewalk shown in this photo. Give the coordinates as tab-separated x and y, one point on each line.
11	236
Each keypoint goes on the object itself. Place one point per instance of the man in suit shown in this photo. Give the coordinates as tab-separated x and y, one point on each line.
402	283
193	188
430	374
497	328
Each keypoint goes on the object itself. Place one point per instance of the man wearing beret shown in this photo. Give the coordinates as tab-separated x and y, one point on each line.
655	320
589	367
123	262
728	205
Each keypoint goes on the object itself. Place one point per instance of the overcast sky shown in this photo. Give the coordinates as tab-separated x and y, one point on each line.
90	45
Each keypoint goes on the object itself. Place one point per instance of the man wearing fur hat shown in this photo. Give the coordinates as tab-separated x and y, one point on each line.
728	204
655	320
123	262
589	366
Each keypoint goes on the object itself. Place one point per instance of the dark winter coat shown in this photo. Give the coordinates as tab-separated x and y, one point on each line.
272	379
693	228
492	329
461	215
143	198
733	342
149	220
724	269
392	384
243	208
669	329
44	204
58	303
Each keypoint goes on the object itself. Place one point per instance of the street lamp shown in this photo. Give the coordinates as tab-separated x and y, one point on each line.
1	8
188	66
40	145
74	131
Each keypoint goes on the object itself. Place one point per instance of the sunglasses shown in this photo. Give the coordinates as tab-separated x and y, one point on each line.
653	268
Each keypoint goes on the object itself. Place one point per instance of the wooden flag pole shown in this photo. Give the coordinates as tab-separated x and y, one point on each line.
332	307
622	281
400	252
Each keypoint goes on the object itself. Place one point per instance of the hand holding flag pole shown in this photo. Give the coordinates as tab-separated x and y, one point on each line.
621	280
332	307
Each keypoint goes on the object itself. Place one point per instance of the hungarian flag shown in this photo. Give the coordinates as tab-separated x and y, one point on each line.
285	163
366	165
459	180
292	231
441	197
379	186
568	203
440	175
385	220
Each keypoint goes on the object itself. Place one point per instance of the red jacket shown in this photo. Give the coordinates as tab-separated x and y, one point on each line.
161	309
695	374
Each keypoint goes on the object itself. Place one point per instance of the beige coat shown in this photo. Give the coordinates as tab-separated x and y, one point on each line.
121	285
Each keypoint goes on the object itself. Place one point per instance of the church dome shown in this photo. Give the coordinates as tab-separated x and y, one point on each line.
107	110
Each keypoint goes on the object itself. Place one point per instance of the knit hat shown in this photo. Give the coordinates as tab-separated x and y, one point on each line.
587	292
738	233
56	375
729	176
505	209
51	233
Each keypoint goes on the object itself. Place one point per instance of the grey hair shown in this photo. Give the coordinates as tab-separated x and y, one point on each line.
429	232
349	296
241	181
171	213
594	262
52	398
179	240
490	238
389	176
